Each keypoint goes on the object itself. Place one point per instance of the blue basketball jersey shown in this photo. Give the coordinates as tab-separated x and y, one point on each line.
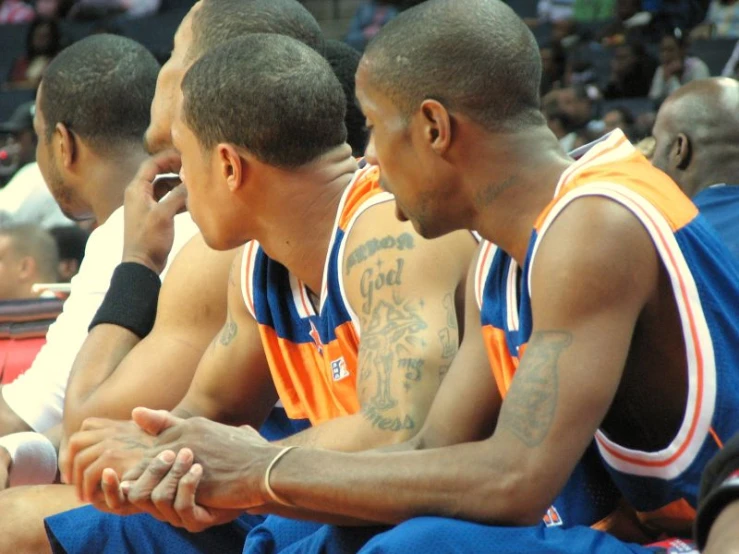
662	486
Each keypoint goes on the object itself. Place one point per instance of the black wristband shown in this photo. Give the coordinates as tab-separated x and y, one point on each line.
714	502
131	300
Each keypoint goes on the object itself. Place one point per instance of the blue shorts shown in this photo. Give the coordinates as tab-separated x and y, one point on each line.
279	534
440	535
87	530
437	535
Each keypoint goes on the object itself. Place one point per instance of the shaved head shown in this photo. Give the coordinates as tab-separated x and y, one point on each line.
697	134
476	57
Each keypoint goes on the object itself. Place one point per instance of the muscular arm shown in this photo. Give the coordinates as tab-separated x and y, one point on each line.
453	422
408	328
232	383
594	272
115	371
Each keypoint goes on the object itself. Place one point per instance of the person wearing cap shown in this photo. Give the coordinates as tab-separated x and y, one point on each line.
26	198
18	140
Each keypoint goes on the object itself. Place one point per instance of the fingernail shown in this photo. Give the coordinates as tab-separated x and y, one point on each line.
184	456
167	456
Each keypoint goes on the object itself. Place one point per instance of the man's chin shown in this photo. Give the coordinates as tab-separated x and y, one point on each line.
399	214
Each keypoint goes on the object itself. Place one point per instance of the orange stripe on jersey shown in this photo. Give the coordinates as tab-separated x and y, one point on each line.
303	377
633	171
714	434
502	362
700	372
675	518
367	184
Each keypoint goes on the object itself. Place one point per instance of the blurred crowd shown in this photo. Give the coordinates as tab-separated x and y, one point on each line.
609	63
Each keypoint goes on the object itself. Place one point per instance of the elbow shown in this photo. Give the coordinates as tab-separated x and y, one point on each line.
511	499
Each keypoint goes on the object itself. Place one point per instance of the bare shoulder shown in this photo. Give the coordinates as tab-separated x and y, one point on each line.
595	246
378	230
196	286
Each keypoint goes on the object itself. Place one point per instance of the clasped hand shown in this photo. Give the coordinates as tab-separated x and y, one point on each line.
222	466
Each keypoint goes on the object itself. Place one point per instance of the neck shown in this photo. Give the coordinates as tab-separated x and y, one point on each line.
715	170
511	188
295	228
107	181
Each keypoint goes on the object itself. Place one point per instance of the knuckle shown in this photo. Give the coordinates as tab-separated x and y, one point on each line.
159	497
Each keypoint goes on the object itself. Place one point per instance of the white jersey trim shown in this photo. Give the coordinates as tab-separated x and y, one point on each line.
512	299
484	261
671	461
247	280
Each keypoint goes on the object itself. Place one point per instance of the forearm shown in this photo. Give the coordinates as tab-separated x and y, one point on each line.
349	434
465	481
103	351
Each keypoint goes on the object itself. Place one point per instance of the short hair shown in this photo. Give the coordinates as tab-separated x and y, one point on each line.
344	61
31	240
71	241
269	94
101	88
219	21
475	56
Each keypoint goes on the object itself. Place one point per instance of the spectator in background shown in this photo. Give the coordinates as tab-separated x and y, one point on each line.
591	11
697	144
676	67
26	198
576	105
28	255
97	9
43	42
618	118
15	11
553	61
629	23
368	20
632	72
71	241
646	147
722	21
19	140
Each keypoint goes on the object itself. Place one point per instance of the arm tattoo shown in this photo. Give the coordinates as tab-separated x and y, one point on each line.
387	333
229	331
529	406
451	311
365	251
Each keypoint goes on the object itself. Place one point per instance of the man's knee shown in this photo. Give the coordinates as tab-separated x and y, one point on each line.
23	511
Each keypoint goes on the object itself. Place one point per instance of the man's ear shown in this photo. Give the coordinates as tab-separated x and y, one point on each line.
437	125
682	152
65	145
27	268
231	166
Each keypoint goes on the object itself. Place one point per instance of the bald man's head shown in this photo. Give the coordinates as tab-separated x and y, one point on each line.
697	134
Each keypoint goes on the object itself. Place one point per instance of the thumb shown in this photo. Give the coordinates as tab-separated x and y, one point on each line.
153	421
174	202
